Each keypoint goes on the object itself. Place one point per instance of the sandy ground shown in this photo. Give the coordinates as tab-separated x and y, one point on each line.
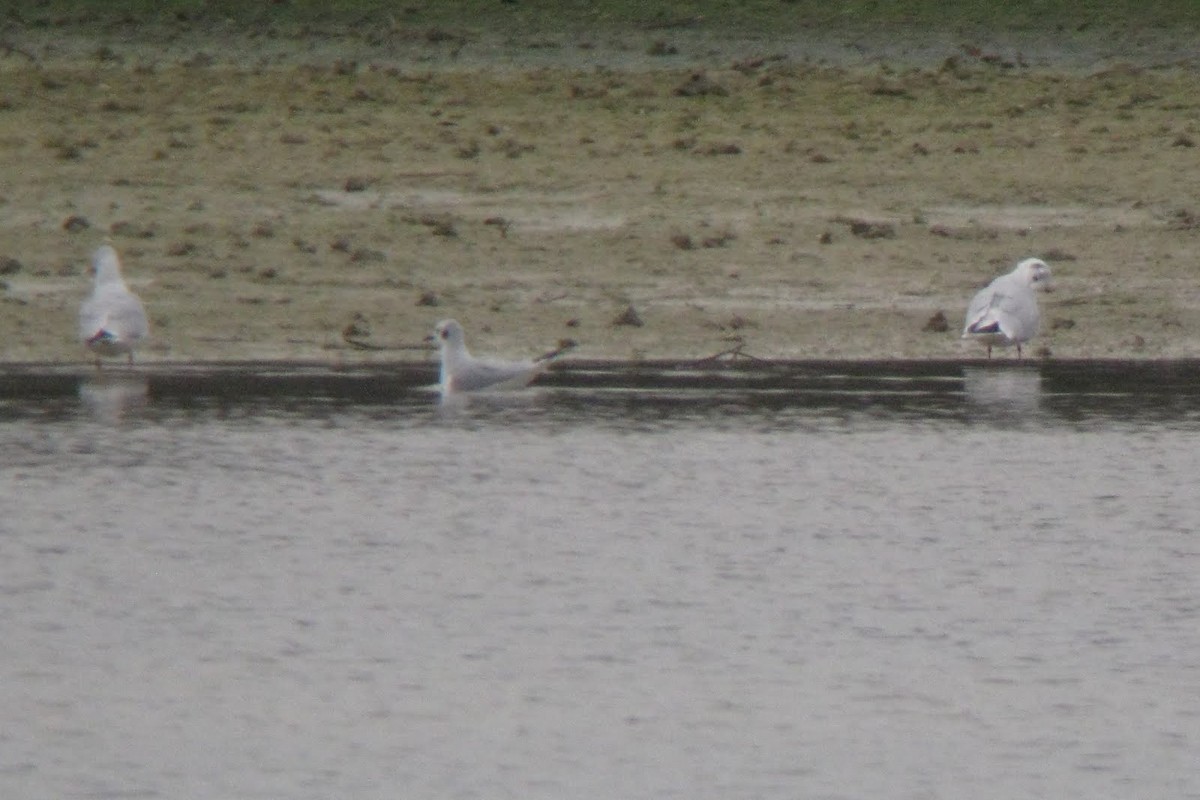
270	197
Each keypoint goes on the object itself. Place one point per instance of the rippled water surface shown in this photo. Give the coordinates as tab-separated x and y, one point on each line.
804	581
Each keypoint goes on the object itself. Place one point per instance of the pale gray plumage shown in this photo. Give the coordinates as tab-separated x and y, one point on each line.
462	372
112	321
1005	313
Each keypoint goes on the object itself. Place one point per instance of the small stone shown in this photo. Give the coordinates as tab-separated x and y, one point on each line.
76	223
429	299
937	323
629	317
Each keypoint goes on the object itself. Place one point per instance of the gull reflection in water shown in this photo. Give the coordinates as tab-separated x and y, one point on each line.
1002	392
111	398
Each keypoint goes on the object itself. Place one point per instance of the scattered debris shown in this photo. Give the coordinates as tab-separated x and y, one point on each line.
1058	254
199	60
430	299
515	149
700	85
367	255
1062	323
357	184
131	230
501	223
868	229
721	149
629	317
892	90
9	265
753	63
359	328
720	240
439	225
563	346
1184	219
76	223
731	353
683	241
937	323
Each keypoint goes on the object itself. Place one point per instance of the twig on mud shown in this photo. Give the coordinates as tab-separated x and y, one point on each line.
563	346
360	344
732	353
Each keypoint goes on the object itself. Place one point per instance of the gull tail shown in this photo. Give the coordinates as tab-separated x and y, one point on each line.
982	327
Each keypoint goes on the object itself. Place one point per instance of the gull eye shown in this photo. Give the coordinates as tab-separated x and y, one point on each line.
445	334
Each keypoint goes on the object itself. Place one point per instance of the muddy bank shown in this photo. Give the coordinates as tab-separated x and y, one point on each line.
309	200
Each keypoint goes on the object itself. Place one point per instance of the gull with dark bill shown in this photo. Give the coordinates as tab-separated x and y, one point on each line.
1005	312
462	372
112	322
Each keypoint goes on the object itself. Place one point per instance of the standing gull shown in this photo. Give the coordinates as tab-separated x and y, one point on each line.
112	322
1006	311
462	372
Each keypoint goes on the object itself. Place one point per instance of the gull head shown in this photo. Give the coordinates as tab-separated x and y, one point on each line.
449	336
1036	273
106	265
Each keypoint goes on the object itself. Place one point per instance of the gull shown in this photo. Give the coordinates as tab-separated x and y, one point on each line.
462	372
112	322
1005	312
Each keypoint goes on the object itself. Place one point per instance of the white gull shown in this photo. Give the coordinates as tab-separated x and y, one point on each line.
112	321
462	372
1005	312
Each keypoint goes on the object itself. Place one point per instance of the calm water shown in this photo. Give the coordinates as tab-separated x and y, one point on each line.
796	582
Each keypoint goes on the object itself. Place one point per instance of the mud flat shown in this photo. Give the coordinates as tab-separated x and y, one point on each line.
659	193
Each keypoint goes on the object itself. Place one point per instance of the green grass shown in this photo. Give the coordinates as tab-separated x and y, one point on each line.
713	16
